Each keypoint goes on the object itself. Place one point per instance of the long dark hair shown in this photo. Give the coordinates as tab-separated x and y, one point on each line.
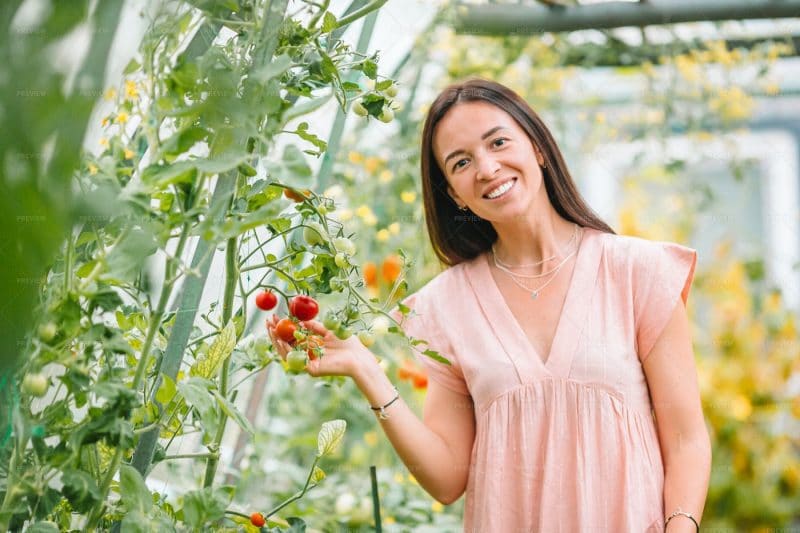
459	236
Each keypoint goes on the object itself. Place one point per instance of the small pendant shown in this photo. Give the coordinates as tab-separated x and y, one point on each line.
534	294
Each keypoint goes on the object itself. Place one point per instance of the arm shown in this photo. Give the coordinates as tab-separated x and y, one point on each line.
683	436
437	451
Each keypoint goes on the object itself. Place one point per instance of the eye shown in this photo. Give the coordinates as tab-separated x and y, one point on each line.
458	164
499	139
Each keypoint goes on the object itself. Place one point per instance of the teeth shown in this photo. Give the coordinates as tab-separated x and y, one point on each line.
501	189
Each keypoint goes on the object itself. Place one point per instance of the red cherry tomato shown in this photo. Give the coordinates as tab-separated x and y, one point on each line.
266	300
257	519
295	196
285	329
420	381
303	307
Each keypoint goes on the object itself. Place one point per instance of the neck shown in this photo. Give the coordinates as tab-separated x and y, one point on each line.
535	240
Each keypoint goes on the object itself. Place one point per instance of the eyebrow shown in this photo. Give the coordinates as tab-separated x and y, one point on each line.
461	151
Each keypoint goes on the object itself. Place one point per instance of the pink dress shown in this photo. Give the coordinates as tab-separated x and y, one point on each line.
569	444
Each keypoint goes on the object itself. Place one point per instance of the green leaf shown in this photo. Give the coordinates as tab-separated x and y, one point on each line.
125	260
370	69
166	391
233	412
330	436
206	505
197	394
433	354
278	66
329	22
306	107
208	366
80	489
131	67
133	492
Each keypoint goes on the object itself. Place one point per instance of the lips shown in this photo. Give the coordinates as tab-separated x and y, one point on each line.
495	186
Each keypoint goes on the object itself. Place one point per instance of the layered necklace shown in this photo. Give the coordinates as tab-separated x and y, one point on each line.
516	278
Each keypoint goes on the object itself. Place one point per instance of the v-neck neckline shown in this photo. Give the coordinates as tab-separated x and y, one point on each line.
573	311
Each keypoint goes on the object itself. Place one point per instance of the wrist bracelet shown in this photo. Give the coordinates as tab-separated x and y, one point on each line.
683	513
383	414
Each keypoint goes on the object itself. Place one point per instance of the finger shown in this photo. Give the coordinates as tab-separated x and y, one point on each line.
316	327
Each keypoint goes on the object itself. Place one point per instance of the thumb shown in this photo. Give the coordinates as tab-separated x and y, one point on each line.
316	327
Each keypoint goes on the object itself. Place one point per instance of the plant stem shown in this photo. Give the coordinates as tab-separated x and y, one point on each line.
231	276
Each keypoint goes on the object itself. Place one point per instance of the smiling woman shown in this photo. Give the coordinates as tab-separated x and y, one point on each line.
557	413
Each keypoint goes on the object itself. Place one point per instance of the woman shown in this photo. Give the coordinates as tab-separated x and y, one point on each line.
571	400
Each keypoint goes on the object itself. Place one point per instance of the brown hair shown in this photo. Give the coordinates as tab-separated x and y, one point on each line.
459	236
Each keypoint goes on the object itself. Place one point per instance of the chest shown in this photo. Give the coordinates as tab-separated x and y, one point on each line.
539	317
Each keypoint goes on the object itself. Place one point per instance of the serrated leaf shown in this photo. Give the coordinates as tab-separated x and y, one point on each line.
233	412
209	364
329	436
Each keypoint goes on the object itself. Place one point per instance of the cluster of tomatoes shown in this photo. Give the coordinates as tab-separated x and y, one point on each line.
301	308
409	372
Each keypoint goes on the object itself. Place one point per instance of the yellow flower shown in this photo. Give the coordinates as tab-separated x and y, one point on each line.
370	220
371	438
408	197
412	479
385	176
371	164
355	157
394	228
363	211
382	235
92	169
104	122
128	154
600	117
687	68
436	507
103	142
389	520
111	93
130	89
398	478
122	117
741	408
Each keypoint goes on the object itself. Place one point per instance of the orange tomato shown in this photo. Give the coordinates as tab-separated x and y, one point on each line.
370	273
297	197
406	370
420	381
390	269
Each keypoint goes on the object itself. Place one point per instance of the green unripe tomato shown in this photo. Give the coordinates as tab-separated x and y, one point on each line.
247	170
35	384
387	115
336	284
366	337
313	233
261	346
343	244
380	326
390	91
359	109
322	209
353	313
331	322
296	359
341	260
342	333
47	331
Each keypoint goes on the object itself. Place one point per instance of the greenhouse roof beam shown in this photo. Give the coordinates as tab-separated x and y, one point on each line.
510	19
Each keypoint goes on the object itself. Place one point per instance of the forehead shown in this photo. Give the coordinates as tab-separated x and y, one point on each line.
464	124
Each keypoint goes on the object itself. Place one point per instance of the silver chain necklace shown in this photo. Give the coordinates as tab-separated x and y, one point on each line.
535	291
499	262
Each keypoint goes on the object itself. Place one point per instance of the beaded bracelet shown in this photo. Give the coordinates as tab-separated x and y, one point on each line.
679	512
383	414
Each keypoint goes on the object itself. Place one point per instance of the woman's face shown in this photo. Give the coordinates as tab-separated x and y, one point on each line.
480	147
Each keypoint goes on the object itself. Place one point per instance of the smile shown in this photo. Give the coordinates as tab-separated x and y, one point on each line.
501	190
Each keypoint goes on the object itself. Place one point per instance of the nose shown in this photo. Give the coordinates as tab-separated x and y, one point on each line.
487	166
